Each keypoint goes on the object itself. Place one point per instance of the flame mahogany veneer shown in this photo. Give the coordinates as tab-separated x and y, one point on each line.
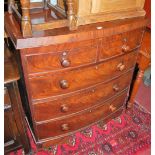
76	78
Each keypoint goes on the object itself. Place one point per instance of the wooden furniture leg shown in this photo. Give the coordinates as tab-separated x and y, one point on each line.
71	15
135	88
19	117
26	22
10	3
46	4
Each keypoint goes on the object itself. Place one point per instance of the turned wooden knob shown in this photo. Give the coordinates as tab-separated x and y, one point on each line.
121	67
65	127
112	108
125	48
65	62
64	84
64	108
116	88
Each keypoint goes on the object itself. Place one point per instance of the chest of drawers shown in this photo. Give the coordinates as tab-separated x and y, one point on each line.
76	78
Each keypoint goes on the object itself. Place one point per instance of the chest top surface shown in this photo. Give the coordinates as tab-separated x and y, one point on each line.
64	35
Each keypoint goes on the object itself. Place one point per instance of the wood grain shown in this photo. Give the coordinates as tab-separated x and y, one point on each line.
75	122
96	56
46	86
52	37
54	60
11	72
80	101
113	45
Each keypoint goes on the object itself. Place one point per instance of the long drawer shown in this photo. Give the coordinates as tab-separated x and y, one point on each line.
120	43
80	120
65	82
82	100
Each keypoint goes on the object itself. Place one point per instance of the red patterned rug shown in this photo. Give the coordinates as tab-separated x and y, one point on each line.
126	135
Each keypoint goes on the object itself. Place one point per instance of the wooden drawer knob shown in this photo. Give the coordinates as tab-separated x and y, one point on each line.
64	108
116	88
65	127
125	48
120	66
65	62
64	84
112	108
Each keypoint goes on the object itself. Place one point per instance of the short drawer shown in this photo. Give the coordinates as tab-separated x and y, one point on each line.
65	82
120	44
7	101
52	61
82	100
78	121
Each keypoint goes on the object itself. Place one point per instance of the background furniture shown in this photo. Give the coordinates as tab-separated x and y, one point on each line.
144	60
15	135
71	13
76	78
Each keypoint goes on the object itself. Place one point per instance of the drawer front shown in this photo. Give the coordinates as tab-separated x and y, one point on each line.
65	82
82	100
70	124
120	44
7	101
38	63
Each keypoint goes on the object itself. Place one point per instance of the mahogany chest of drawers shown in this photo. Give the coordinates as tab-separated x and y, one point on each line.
77	78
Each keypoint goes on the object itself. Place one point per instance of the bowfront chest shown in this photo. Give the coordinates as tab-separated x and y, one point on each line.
76	78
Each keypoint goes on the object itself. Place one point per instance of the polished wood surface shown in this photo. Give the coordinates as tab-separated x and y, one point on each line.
63	35
25	23
46	143
121	43
62	83
68	73
80	120
53	61
69	104
10	68
15	135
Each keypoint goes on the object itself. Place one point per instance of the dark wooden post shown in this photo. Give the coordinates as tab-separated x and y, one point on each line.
71	15
10	3
26	23
46	4
135	88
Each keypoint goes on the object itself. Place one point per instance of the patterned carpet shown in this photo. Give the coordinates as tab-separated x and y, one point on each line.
128	134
